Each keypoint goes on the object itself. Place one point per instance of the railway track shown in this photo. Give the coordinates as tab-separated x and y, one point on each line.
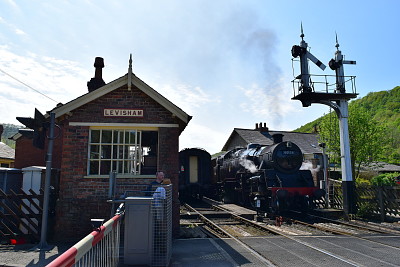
322	237
219	231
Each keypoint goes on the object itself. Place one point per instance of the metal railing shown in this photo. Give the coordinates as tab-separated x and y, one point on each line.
161	222
99	248
325	84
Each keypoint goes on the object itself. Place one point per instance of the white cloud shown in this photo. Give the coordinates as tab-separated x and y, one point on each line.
12	27
201	136
60	80
189	98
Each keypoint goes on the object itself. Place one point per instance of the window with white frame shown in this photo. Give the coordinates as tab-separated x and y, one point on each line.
126	151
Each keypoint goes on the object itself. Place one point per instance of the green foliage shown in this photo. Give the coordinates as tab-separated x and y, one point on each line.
366	210
310	127
380	108
363	182
385	179
8	131
367	137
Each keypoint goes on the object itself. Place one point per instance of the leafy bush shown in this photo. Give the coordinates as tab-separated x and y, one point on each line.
366	210
363	182
385	179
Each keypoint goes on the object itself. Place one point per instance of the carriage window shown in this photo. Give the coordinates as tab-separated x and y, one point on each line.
124	151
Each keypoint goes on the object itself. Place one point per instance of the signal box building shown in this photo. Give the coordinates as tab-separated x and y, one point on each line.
123	126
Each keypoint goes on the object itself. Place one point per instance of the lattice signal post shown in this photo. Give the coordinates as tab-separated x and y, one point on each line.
307	92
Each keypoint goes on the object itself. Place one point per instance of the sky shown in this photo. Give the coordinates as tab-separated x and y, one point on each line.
226	63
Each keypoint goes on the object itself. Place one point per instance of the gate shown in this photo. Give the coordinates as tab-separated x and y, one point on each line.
20	214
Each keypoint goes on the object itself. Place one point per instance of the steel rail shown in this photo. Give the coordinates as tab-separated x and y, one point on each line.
252	251
272	230
388	229
327	229
363	227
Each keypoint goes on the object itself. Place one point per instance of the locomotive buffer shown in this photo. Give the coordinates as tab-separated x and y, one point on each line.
337	98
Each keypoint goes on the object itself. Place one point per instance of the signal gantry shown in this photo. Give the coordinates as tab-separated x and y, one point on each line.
337	99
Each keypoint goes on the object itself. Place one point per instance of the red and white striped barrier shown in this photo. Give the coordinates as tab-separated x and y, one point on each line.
77	251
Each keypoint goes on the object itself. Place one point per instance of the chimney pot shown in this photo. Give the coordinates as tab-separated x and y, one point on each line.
97	81
99	62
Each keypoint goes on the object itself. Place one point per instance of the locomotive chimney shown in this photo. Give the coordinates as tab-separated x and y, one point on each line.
277	138
97	81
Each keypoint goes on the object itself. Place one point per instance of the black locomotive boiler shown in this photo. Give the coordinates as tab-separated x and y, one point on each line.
267	178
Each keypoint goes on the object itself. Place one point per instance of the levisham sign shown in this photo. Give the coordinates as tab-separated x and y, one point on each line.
118	112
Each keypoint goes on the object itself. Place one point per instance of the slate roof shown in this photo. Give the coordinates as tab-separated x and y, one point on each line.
6	152
381	167
308	142
124	80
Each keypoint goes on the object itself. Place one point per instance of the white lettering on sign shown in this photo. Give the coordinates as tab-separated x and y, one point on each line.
112	112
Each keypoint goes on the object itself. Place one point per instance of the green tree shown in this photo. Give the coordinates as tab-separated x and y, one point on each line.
385	179
368	138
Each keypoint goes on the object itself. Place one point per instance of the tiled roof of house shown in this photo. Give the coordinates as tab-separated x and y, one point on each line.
6	152
381	167
308	142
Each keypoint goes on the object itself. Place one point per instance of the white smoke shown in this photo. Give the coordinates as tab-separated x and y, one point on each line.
248	165
307	165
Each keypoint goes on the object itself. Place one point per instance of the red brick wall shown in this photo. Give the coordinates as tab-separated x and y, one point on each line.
169	163
27	155
84	198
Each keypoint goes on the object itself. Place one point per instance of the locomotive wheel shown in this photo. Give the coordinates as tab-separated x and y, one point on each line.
306	205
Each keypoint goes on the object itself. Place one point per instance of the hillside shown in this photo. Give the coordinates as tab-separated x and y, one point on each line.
8	131
384	107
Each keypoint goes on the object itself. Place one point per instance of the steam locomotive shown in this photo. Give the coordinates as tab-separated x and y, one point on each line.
267	178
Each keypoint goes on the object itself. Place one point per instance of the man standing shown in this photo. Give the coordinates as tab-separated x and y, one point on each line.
156	183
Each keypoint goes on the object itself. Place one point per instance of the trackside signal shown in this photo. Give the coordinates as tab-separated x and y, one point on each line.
37	126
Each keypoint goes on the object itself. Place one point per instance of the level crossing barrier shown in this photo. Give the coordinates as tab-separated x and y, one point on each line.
99	248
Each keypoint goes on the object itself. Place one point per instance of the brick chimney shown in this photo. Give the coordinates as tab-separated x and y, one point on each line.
262	128
97	81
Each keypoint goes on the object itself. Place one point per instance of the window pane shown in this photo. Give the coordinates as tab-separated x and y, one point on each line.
106	152
126	166
120	152
116	136
93	168
94	152
126	137
105	167
118	166
121	137
132	152
117	152
95	136
106	136
132	137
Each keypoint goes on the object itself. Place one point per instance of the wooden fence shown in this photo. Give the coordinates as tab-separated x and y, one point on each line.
382	201
20	214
